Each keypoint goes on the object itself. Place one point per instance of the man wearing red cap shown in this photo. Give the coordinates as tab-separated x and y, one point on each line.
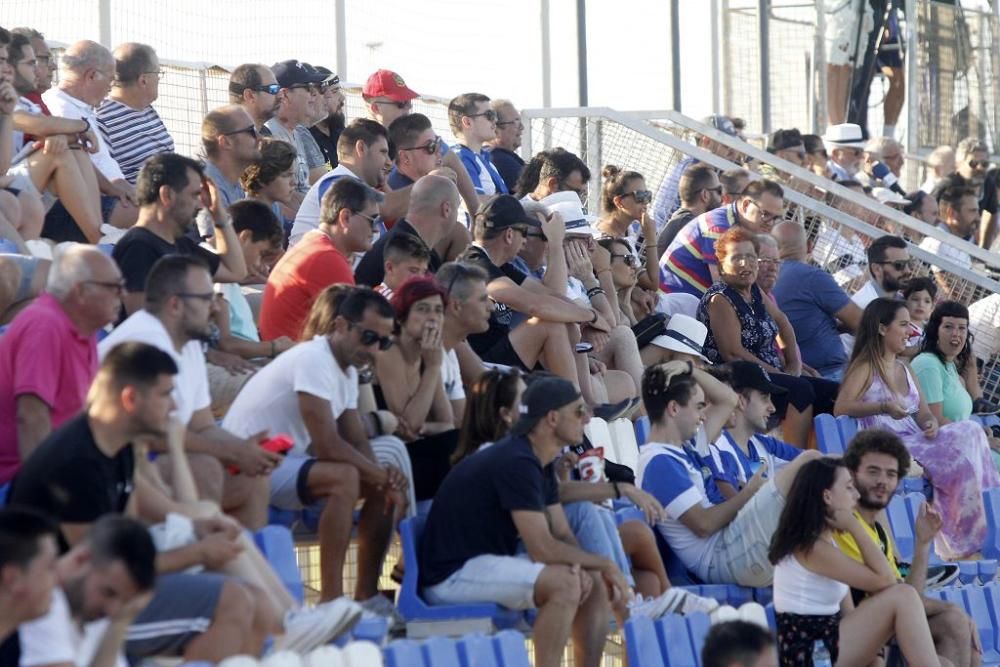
388	97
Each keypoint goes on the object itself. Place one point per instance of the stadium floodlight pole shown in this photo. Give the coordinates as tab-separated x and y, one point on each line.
341	18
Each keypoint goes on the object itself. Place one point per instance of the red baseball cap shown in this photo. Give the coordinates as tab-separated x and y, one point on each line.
386	83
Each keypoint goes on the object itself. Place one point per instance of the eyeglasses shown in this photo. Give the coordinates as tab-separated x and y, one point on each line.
629	259
270	88
766	216
369	218
369	338
159	72
640	196
505	123
536	235
976	164
768	261
431	148
207	296
251	130
489	115
717	190
116	287
521	229
742	259
899	264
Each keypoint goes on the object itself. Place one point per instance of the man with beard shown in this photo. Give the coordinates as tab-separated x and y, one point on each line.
254	87
179	300
327	129
171	190
877	460
700	191
959	212
889	266
104	582
311	393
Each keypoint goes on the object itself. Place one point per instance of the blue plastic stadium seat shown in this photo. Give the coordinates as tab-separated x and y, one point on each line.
440	652
413	607
848	427
772	619
985	620
278	547
373	629
968	571
763	596
476	650
403	653
641	430
4	490
828	438
674	637
8	247
902	528
641	643
991	500
510	649
629	513
987	571
698	624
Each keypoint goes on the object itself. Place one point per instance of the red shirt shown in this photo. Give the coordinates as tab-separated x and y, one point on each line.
309	267
42	353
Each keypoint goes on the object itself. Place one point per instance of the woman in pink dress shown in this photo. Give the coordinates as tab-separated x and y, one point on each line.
880	390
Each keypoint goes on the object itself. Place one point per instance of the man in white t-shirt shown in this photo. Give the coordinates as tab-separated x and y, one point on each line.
311	394
104	582
179	301
721	541
468	312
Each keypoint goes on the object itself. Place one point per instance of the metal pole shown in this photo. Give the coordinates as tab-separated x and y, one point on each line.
716	82
675	53
546	57
341	18
764	52
581	49
913	82
104	22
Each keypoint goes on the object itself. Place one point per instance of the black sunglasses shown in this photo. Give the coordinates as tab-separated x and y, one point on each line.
629	258
641	196
505	123
369	338
979	163
251	130
431	148
536	235
489	114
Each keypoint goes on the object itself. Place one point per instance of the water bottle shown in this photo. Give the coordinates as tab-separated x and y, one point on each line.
821	657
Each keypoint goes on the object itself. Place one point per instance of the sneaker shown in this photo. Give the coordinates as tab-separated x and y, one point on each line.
941	575
752	612
723	613
673	601
612	411
984	408
379	605
310	627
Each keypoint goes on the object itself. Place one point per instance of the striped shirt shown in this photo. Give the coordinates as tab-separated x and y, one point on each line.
684	265
132	136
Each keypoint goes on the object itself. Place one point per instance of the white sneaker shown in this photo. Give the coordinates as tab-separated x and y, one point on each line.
752	612
308	628
723	614
379	605
672	601
648	607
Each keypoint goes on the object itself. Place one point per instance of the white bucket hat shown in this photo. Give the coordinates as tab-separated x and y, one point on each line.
844	135
683	334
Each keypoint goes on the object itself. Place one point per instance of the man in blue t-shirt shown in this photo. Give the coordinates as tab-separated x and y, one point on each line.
818	309
744	446
720	541
474	123
497	533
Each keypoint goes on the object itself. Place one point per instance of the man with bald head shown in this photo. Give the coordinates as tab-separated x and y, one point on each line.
509	129
254	87
432	214
128	122
229	141
813	302
48	356
87	71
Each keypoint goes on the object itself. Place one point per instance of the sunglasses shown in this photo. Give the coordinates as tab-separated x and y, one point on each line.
629	259
975	164
369	338
208	296
431	148
251	130
270	89
489	115
640	196
505	123
116	287
399	105
536	235
899	264
369	218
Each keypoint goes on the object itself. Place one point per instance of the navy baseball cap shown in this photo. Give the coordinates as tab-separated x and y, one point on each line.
542	396
748	375
294	73
501	211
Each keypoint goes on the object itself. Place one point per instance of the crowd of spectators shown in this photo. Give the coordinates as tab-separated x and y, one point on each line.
432	323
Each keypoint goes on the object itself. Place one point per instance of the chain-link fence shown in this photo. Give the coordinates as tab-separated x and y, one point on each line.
840	223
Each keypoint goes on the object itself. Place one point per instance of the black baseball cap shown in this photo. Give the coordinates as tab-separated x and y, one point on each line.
542	396
294	73
502	211
748	375
331	78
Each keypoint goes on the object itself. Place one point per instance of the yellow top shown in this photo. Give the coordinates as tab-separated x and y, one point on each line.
847	544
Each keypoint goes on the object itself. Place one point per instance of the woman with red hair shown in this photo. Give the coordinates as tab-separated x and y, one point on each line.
414	381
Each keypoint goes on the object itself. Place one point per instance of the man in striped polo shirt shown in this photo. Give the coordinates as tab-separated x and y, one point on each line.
689	264
128	122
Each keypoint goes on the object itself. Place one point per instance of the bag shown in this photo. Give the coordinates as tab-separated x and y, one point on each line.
648	328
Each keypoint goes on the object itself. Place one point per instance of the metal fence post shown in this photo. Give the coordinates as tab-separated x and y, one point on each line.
104	22
764	50
913	83
716	59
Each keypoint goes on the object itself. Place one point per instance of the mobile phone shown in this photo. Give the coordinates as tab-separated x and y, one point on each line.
279	444
584	348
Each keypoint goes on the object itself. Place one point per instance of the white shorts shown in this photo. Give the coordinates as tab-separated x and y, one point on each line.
505	580
740	555
842	30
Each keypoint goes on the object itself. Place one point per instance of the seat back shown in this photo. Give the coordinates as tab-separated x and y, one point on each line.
441	652
403	653
848	427
985	620
674	637
828	438
599	434
623	435
641	643
476	650
641	430
901	527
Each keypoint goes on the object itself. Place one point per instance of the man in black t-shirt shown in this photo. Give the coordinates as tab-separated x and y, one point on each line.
500	228
171	189
505	497
86	469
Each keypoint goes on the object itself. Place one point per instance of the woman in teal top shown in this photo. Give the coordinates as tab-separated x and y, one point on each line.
946	369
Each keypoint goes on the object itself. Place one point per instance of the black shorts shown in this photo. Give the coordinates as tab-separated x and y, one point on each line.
503	353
